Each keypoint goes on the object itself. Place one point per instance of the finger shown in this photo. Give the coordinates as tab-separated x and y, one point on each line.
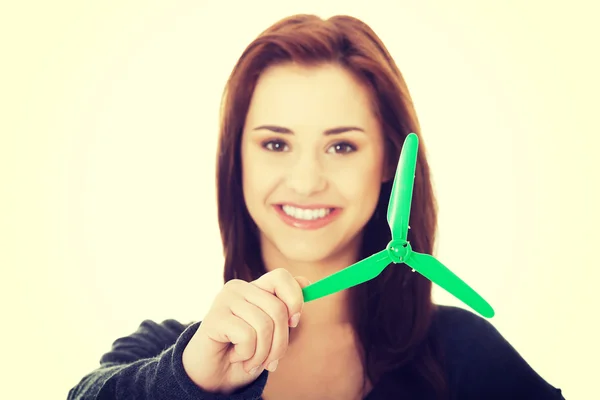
277	310
231	329
283	285
241	335
263	326
302	281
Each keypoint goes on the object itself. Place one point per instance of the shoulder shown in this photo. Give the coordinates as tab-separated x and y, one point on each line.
454	315
481	363
459	326
150	339
468	339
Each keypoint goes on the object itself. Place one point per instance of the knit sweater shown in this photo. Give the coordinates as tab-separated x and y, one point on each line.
480	364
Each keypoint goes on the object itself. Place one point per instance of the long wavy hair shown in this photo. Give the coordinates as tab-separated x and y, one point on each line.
393	312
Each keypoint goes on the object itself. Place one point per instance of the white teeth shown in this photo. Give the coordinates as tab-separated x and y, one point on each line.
300	213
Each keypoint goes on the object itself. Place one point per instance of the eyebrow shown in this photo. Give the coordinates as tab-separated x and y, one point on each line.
332	131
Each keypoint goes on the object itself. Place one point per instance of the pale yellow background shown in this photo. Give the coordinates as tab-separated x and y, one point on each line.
108	120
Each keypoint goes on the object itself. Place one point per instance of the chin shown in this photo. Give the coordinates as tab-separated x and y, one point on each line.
307	252
301	255
312	251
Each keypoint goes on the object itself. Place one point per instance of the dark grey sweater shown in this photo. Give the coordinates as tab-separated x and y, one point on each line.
481	364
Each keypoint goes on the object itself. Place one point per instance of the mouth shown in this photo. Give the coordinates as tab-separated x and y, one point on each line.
307	217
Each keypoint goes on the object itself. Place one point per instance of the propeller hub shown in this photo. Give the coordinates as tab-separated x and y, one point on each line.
399	251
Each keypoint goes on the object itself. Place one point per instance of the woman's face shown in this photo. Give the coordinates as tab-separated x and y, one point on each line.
312	161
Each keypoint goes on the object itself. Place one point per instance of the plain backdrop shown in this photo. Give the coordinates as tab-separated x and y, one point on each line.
109	116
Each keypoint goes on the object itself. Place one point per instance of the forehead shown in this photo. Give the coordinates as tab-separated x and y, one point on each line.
300	96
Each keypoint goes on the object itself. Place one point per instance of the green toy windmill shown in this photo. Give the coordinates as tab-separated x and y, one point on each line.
398	250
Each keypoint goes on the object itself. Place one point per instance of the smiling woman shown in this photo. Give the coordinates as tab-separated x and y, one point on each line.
314	115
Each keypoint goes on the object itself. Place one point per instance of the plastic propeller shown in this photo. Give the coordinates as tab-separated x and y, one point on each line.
398	250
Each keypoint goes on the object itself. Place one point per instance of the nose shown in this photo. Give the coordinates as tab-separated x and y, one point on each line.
305	175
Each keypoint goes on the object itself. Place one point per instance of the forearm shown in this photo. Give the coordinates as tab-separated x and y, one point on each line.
156	378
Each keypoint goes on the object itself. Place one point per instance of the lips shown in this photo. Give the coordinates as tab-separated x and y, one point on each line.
307	206
308	224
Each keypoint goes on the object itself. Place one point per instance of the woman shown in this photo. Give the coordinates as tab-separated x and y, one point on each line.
314	116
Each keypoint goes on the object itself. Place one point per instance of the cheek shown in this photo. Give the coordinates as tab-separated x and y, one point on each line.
360	183
257	180
248	179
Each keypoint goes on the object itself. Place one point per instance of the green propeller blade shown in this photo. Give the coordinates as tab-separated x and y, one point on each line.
398	212
353	275
435	271
398	249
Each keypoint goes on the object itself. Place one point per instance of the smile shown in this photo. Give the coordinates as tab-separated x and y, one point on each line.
306	218
305	214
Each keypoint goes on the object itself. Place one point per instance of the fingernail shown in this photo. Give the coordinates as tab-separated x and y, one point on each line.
253	371
295	320
273	366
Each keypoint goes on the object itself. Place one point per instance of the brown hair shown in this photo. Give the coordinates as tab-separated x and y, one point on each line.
393	312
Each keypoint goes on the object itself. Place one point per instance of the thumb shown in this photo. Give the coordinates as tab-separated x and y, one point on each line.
302	281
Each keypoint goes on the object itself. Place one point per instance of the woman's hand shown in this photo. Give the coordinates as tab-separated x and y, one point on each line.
245	331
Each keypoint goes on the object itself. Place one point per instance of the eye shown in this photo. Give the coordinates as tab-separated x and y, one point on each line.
343	147
274	145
